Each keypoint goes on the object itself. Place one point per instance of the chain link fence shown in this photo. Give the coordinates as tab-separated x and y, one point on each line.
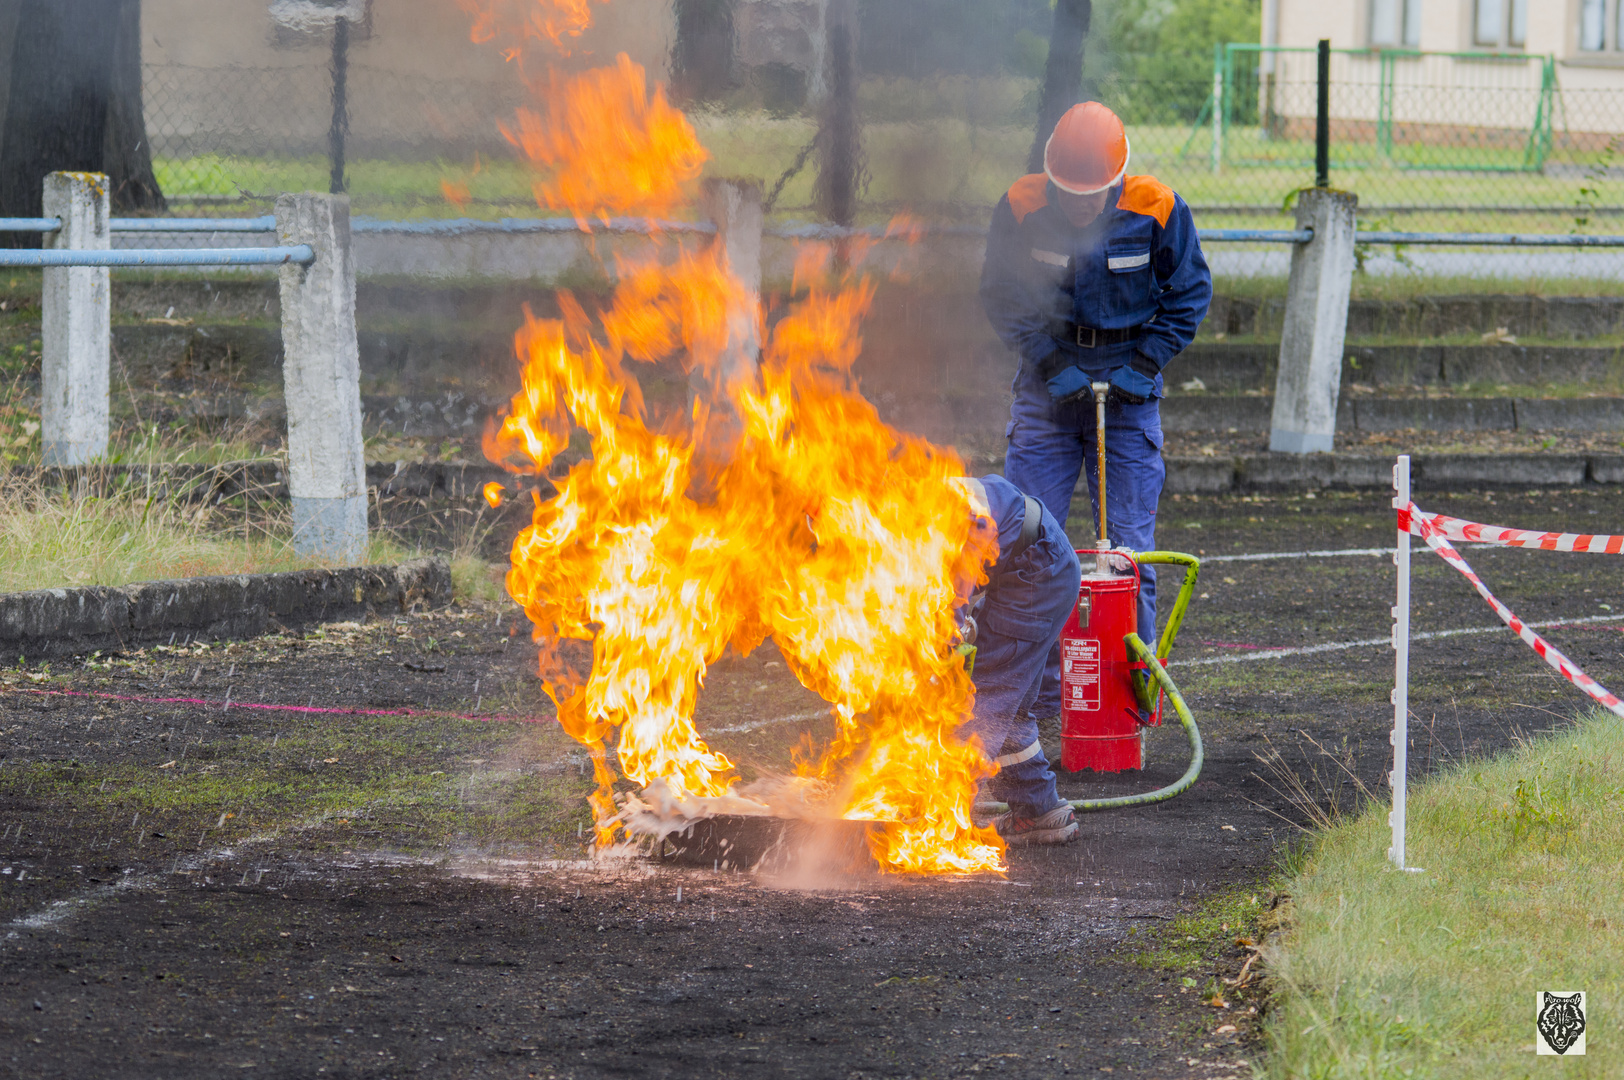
1454	140
1427	140
228	140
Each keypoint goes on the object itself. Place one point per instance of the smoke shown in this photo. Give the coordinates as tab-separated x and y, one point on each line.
925	39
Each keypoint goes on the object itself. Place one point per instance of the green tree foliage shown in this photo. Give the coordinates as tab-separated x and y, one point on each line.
1152	59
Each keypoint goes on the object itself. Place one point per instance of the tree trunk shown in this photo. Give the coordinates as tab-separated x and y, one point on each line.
840	151
1062	73
127	153
73	103
338	132
702	59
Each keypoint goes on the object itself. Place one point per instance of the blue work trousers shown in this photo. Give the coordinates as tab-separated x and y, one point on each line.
1049	445
1028	602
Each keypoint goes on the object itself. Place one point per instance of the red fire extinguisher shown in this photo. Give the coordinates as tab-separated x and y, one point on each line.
1100	721
1105	699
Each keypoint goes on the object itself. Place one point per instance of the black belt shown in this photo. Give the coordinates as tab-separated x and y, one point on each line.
1031	529
1088	337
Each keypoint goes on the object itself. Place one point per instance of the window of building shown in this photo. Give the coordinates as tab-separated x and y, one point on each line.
1395	22
1500	23
1598	33
1593	25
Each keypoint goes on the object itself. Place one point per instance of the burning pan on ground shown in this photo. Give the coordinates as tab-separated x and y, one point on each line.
772	844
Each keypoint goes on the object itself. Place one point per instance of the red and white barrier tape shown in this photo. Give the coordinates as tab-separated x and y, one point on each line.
1410	519
1431	529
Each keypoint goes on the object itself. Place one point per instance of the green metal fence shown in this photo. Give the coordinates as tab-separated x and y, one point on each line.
1469	133
1392	108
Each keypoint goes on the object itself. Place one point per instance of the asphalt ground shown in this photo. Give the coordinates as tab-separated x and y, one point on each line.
191	888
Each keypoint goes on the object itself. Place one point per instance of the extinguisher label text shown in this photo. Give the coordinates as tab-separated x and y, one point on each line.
1080	674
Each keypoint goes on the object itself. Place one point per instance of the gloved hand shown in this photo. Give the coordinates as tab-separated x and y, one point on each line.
1068	384
1135	381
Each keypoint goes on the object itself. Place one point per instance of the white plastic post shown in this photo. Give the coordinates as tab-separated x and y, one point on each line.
321	381
76	333
1401	667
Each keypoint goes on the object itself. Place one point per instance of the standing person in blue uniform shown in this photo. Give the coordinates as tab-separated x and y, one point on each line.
1030	592
1092	274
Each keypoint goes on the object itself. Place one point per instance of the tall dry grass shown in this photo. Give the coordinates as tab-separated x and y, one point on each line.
51	537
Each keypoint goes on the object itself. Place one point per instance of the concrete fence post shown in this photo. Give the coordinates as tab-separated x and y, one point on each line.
321	381
1310	373
76	317
735	207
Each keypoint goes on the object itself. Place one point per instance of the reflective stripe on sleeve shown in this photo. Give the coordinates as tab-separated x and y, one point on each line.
1054	258
1006	760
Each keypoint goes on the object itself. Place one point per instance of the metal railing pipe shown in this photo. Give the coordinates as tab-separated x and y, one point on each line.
520	226
1257	236
468	226
178	225
1490	239
245	256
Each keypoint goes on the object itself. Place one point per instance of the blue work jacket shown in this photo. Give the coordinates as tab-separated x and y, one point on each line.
1139	264
1006	511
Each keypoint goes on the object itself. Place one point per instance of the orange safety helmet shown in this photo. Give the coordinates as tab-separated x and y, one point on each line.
1088	151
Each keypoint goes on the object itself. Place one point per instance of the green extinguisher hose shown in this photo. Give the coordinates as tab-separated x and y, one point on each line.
1154	667
1182	784
1159	674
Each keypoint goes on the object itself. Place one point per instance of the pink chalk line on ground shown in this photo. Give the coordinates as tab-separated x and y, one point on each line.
269	707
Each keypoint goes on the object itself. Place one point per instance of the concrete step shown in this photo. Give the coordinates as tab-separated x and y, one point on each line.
1429	472
445	385
1251	415
1225	367
1576	317
1186	475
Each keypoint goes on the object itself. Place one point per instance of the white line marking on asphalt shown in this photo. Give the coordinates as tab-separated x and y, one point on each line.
1327	554
1338	646
754	724
1296	555
54	914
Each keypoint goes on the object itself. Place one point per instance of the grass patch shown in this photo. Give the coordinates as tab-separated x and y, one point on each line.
50	539
1388	974
1192	939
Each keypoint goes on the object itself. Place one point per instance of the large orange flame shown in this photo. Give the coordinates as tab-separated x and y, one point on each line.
610	146
780	506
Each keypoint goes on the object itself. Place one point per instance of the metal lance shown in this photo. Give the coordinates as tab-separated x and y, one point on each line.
1101	389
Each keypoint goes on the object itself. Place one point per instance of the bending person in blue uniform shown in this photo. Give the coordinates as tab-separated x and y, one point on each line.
1030	592
1092	274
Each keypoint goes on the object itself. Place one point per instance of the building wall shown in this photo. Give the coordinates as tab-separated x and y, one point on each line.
1460	91
1446	26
